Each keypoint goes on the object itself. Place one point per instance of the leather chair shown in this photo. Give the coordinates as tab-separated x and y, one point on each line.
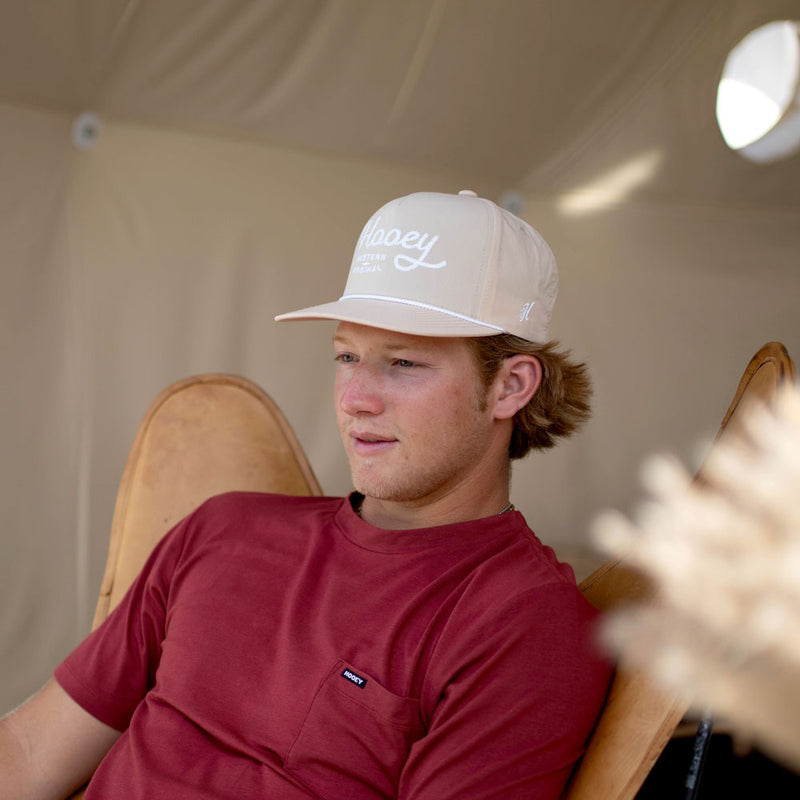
638	719
201	436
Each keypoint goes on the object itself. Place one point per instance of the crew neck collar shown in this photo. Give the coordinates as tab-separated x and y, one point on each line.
455	535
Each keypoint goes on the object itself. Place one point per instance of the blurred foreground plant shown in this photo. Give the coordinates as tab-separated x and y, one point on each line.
723	553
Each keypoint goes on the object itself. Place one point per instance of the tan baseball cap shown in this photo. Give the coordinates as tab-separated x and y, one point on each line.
447	265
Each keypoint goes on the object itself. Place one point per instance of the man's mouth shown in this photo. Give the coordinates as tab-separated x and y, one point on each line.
366	443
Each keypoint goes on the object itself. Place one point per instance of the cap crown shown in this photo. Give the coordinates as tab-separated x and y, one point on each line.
448	265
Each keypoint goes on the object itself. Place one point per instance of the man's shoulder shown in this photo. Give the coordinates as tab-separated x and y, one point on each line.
248	517
533	563
236	504
525	579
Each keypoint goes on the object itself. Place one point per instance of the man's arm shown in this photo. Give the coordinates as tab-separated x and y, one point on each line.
50	746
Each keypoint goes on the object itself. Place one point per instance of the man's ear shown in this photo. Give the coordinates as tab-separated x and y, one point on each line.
516	383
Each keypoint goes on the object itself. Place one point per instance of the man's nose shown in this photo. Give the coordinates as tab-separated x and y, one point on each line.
359	392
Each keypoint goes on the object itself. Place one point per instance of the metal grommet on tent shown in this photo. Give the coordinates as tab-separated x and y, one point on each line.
85	130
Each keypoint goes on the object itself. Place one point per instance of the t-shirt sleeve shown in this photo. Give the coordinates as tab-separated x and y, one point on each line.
517	700
110	672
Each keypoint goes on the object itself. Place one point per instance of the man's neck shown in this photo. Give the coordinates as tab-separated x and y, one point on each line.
447	510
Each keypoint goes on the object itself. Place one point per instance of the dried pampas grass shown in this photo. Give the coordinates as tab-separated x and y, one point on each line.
723	553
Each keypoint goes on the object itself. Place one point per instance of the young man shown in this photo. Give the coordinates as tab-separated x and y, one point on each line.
414	640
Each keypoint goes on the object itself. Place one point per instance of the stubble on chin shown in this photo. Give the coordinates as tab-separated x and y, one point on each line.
367	480
402	486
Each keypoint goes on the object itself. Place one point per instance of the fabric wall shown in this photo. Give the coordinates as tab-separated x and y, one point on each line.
158	254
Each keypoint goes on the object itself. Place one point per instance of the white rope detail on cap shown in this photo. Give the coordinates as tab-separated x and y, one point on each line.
420	305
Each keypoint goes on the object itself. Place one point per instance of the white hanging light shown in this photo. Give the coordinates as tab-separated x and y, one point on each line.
758	98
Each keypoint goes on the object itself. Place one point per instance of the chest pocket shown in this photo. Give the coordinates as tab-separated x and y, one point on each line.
355	737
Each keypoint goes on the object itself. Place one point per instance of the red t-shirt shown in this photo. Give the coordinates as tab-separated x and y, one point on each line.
281	647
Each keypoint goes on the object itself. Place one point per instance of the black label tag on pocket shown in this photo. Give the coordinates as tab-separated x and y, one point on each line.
353	678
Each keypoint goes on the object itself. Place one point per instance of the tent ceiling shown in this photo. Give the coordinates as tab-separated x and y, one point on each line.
536	95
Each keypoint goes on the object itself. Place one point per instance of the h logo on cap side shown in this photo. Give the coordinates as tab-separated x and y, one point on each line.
525	311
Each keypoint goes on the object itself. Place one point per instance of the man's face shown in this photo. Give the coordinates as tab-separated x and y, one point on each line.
411	414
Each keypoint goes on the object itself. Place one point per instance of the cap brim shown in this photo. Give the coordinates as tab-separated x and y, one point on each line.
394	315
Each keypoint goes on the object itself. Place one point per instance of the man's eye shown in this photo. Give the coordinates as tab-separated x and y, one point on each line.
404	362
345	358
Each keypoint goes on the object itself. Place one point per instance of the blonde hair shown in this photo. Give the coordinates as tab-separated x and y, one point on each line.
561	403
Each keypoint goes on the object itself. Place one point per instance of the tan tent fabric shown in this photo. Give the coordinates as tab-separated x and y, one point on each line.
521	92
243	145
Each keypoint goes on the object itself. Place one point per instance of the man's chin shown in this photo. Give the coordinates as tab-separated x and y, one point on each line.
387	493
372	486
